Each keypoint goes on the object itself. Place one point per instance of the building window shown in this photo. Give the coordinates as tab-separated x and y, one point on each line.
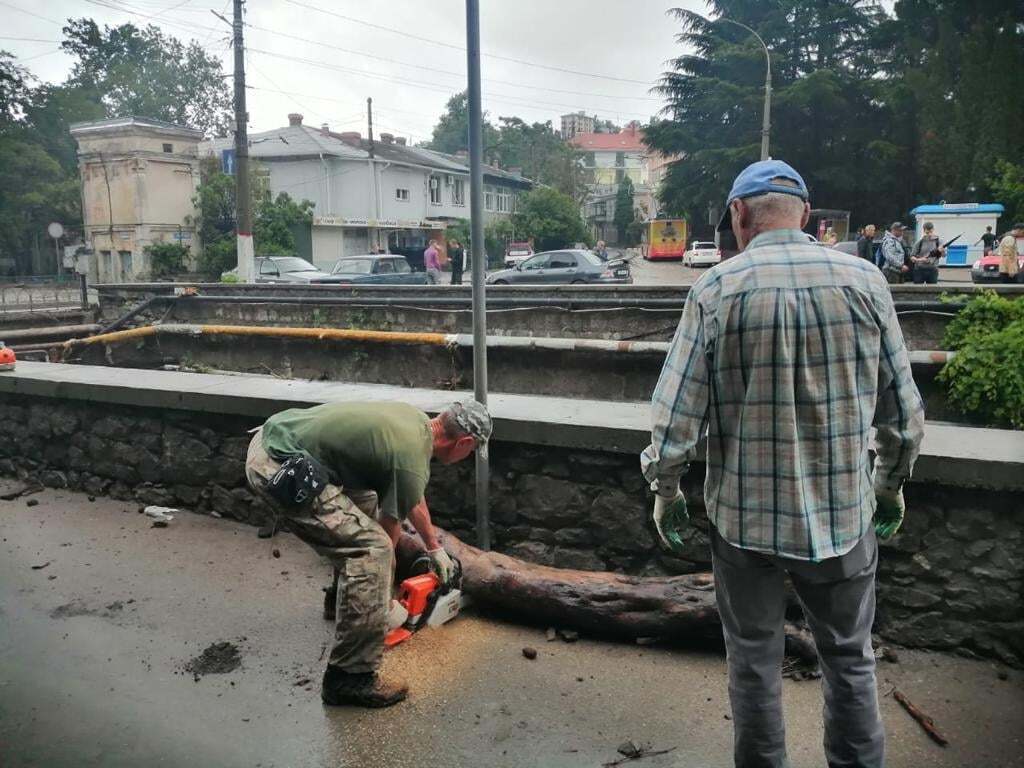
458	192
488	197
434	183
402	194
168	148
504	201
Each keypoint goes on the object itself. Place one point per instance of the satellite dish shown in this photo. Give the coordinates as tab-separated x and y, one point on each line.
55	230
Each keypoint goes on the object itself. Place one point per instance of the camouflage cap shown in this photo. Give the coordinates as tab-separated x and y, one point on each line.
472	418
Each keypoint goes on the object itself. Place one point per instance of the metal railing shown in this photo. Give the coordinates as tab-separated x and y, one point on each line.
39	293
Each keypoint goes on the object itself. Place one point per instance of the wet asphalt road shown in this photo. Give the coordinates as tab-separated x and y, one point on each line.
92	646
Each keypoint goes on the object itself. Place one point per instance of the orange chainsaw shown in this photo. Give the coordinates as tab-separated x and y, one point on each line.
7	359
425	602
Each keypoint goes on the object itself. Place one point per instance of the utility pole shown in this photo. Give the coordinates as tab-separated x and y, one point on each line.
243	203
374	182
766	118
369	123
479	257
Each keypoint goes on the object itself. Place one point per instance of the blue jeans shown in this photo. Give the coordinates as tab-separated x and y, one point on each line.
838	598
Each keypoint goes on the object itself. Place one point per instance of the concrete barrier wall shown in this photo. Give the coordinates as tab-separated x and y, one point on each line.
592	374
951	579
923	330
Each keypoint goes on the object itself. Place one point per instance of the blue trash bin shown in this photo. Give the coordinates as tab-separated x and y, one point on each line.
956	256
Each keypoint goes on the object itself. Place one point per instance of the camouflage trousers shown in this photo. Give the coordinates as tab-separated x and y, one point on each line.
343	528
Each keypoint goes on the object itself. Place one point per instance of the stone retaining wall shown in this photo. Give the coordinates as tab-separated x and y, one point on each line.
951	579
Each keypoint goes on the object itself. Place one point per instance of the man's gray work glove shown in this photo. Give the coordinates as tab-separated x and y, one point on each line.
670	518
443	565
889	510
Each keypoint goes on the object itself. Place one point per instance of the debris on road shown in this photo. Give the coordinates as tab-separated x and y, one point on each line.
276	552
630	750
922	719
216	659
530	653
569	635
40	567
890	655
32	503
161	516
552	634
27	490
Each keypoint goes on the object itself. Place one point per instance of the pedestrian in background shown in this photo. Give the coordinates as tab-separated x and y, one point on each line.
988	239
457	255
894	254
831	238
925	257
760	363
432	263
866	244
1009	255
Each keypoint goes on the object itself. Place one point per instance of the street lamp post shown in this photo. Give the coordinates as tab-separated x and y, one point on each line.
767	120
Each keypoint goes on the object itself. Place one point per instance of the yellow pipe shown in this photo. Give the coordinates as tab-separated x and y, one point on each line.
331	334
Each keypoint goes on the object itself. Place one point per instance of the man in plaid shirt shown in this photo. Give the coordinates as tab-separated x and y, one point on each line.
787	355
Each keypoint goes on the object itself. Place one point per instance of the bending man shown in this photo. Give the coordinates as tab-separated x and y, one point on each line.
787	355
343	476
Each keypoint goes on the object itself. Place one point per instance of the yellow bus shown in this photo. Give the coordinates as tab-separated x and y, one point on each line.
663	239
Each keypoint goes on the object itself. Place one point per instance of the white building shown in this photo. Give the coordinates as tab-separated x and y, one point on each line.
576	122
369	196
138	179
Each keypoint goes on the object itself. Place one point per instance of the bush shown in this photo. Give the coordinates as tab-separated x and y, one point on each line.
166	259
982	315
218	256
986	378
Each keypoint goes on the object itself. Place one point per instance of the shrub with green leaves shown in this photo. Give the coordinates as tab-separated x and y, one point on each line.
982	315
166	259
986	378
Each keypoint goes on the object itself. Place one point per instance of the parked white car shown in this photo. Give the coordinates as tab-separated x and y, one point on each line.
702	254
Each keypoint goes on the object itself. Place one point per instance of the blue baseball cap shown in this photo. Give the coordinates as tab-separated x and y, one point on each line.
759	179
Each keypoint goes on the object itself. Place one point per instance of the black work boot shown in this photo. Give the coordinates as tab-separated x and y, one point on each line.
360	690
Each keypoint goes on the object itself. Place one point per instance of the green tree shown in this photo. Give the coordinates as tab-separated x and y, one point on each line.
14	89
34	191
1007	184
274	219
551	218
451	134
538	150
826	119
624	213
144	72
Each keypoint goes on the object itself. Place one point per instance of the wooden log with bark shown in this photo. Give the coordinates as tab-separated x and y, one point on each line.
674	609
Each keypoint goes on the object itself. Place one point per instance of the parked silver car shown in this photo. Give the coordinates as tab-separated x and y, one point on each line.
286	269
563	268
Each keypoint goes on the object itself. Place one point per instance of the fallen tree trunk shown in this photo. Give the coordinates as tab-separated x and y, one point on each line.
674	609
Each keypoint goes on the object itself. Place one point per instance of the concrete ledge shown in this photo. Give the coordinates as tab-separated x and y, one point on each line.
951	454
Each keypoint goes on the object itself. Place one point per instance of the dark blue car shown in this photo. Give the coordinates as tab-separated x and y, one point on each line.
373	269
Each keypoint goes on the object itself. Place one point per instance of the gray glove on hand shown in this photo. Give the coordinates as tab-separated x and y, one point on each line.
443	565
889	510
670	518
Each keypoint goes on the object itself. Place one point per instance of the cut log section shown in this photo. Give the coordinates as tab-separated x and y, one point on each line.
676	609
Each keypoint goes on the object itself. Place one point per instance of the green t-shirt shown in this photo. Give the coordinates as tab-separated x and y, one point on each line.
382	447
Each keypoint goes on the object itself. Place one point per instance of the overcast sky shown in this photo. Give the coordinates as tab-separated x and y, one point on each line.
625	43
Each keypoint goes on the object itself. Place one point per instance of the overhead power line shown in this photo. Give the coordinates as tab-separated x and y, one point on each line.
30	13
442	87
461	75
524	62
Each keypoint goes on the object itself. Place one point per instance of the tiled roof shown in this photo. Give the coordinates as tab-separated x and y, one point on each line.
625	141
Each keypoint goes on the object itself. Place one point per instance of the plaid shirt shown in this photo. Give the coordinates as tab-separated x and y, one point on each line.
787	354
